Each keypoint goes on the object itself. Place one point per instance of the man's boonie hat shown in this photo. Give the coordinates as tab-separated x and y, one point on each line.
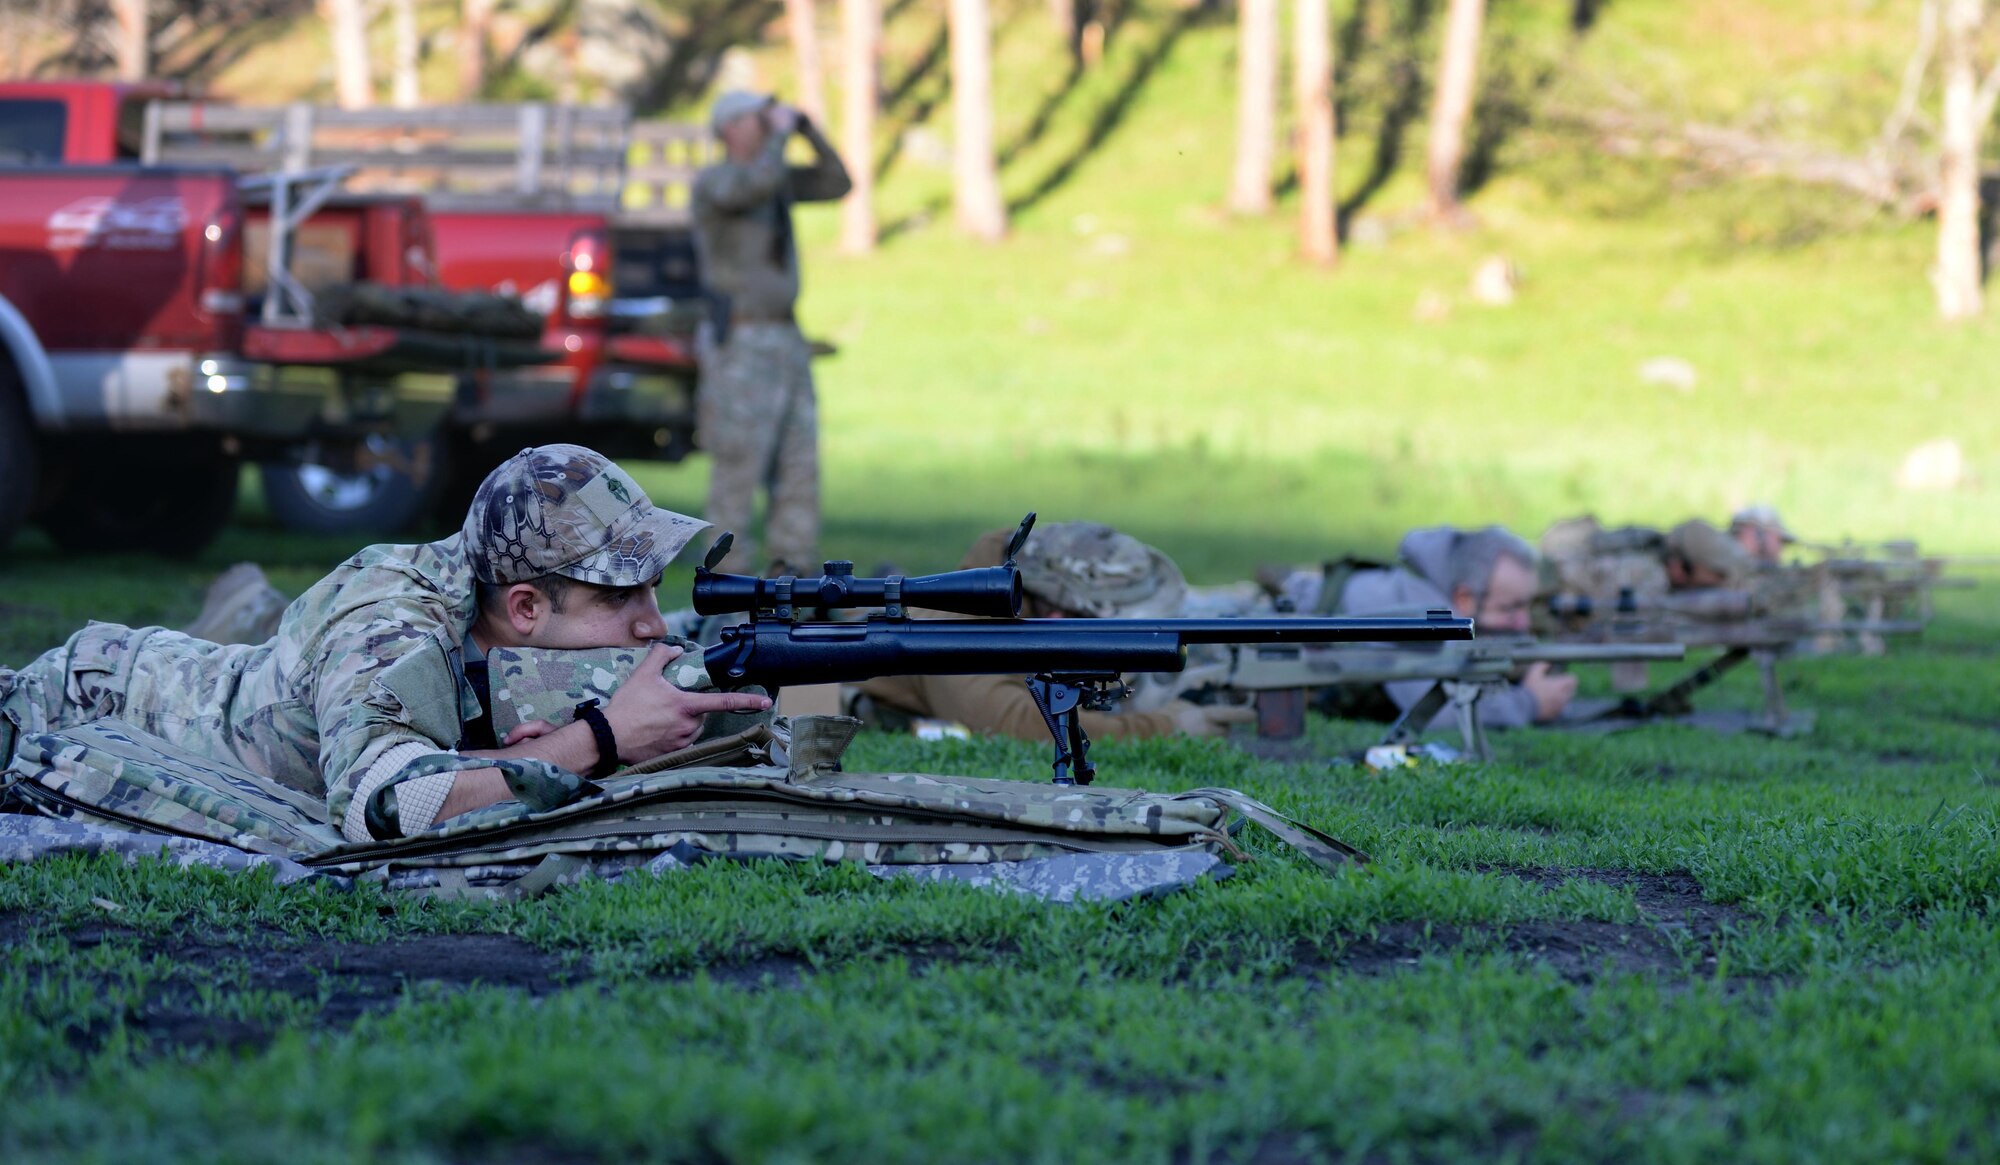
1701	544
1087	568
734	103
567	510
1764	517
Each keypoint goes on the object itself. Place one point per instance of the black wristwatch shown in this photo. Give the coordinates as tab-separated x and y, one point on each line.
607	744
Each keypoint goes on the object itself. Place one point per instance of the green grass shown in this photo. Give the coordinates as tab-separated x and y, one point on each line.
1134	355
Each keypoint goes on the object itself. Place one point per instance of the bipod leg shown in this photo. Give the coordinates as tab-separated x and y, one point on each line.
1774	697
1079	748
1678	699
1872	642
1465	707
1417	717
1058	698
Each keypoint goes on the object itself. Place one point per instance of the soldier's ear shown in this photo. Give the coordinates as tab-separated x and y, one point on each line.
1464	601
526	606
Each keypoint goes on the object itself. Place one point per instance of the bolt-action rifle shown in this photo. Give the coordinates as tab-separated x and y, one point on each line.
1279	678
1071	664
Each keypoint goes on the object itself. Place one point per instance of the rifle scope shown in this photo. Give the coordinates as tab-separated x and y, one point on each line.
991	592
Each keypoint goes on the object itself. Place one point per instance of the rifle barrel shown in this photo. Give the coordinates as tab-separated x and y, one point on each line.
776	653
1431	628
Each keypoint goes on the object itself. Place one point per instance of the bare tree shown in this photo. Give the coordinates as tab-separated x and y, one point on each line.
1968	109
975	178
474	28
1451	105
1062	13
1312	87
860	81
1256	105
133	43
353	77
802	20
404	87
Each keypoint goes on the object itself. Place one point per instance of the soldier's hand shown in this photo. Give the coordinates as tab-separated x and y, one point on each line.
527	730
1552	692
1208	719
784	118
650	716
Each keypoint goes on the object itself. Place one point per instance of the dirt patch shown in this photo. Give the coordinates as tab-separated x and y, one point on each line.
348	980
345	980
1677	919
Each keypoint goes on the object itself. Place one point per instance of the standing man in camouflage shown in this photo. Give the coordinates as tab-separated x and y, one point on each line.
757	415
372	696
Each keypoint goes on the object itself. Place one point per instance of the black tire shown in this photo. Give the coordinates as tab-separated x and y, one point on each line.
156	502
20	461
392	493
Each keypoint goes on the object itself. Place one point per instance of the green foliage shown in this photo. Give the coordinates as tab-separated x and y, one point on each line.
1496	985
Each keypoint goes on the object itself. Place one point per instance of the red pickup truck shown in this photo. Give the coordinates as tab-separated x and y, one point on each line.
523	200
138	363
625	389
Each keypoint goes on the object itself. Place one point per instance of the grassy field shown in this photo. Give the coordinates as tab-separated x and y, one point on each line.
1659	946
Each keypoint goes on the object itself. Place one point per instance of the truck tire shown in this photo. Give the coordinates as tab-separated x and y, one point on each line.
389	494
20	463
167	503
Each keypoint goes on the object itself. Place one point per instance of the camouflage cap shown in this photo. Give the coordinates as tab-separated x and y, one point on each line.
567	510
1764	517
1088	568
1701	544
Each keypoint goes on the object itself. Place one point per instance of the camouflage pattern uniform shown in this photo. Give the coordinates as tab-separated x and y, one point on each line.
368	663
1581	557
757	414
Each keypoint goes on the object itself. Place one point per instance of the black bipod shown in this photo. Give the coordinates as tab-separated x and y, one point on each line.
1060	697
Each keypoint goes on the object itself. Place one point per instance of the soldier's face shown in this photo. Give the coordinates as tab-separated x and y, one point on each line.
594	616
744	135
1510	593
1763	543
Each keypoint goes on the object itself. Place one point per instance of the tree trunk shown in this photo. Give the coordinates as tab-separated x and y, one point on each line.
860	40
133	19
353	80
976	180
474	26
1256	105
801	19
1312	79
1451	108
1957	277
1062	13
404	88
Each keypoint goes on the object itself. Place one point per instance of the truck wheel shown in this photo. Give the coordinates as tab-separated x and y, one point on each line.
387	487
155	503
20	464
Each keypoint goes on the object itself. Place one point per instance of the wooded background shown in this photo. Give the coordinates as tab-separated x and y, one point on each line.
1926	159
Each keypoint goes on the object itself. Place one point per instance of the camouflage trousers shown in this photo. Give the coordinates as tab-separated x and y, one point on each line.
758	419
186	691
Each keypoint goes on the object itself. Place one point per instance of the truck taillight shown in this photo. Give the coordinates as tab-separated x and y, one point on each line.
587	275
222	264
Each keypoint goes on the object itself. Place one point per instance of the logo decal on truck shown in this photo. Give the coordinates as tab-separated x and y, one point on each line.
103	222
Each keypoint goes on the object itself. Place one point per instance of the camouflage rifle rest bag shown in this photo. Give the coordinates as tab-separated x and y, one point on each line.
770	788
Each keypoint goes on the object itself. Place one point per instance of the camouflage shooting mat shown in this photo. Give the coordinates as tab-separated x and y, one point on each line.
783	797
